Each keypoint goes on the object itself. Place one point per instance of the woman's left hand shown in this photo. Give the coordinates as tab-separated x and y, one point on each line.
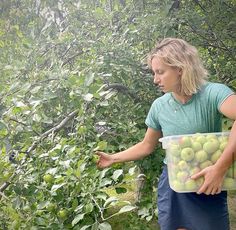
213	180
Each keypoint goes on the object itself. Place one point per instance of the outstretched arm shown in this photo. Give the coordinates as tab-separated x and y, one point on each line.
138	151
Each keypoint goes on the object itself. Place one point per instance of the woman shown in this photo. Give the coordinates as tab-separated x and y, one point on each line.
190	105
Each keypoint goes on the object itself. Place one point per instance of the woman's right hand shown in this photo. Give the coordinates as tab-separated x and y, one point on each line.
105	160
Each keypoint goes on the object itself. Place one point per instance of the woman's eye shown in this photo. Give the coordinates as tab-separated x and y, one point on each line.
158	72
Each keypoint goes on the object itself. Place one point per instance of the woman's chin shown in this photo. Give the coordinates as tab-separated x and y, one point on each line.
163	90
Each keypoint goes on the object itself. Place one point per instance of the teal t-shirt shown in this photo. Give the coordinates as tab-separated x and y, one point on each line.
199	115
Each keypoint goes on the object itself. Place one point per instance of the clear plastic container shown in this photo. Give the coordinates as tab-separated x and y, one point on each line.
189	154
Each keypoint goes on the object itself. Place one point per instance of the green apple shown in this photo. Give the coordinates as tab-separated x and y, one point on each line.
201	139
211	146
196	146
185	141
229	183
215	156
177	186
174	150
199	181
201	156
187	154
193	163
196	135
182	176
223	145
231	172
211	136
223	139
48	178
191	185
194	170
205	164
62	214
183	165
51	207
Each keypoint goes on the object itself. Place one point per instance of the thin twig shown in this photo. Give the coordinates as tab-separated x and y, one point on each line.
36	143
100	209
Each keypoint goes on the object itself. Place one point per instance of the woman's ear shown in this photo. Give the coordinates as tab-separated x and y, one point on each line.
180	71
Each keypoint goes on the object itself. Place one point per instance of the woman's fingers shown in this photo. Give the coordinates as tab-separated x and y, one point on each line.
104	160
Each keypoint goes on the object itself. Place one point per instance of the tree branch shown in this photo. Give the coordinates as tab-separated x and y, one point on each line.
43	136
198	3
52	130
123	89
206	39
19	122
72	57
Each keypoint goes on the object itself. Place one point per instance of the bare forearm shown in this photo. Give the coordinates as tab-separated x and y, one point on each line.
135	152
229	154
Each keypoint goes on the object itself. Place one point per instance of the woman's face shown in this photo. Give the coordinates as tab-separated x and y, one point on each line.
167	78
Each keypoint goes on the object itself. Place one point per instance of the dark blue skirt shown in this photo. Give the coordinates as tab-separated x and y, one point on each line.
190	210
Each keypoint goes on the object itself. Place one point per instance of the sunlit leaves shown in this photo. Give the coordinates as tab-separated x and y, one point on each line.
63	56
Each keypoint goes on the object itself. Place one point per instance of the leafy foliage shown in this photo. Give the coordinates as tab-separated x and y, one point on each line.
73	80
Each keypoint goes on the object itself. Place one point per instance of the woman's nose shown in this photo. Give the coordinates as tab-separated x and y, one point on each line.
156	79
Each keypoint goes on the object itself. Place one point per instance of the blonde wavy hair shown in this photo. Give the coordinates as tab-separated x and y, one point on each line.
178	53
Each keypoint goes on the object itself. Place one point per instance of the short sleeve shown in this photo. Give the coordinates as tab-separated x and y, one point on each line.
152	117
219	93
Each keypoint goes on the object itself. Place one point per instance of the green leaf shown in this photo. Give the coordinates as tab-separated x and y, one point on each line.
55	187
104	226
85	227
36	118
117	174
89	207
77	219
52	171
105	182
89	79
110	200
88	97
127	208
132	170
20	104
